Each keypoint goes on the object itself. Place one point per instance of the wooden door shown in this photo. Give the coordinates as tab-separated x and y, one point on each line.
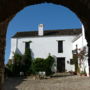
60	64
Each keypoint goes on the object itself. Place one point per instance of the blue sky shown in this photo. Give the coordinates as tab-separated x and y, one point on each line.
51	15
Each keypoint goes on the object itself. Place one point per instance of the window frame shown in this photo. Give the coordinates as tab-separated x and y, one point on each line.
60	46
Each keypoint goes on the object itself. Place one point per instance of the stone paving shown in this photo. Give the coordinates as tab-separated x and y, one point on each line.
59	83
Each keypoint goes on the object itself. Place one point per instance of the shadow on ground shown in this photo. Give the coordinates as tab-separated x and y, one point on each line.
12	83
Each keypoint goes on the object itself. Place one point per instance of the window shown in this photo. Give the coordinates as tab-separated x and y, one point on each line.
60	46
27	44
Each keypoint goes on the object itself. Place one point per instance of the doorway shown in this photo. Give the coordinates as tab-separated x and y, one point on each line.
61	64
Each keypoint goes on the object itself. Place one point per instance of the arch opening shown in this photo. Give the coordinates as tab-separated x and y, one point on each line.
60	25
80	11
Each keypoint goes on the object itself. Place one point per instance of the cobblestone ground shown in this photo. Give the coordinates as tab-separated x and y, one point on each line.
60	83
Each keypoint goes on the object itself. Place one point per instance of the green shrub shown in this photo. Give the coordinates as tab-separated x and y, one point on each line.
16	67
9	65
20	63
9	70
17	58
26	61
13	66
40	64
48	64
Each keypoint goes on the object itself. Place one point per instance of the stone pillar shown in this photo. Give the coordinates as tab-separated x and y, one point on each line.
3	30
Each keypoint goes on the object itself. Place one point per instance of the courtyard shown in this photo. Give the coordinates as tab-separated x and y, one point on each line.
55	83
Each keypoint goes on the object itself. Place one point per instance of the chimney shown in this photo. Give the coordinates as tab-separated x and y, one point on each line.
40	30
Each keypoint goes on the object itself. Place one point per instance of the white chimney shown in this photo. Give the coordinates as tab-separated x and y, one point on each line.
40	30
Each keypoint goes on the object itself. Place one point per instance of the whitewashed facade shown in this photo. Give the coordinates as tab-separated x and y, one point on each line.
42	45
81	44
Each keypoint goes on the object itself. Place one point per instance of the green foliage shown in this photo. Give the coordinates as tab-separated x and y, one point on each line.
40	64
9	67
83	72
13	66
16	67
17	58
8	72
72	61
26	61
21	63
75	62
48	64
25	64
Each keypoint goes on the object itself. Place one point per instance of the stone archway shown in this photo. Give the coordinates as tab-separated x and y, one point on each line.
8	9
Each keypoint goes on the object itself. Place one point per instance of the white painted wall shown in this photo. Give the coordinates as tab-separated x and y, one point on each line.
42	46
80	42
13	47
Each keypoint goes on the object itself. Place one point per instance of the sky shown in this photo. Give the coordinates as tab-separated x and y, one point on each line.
52	16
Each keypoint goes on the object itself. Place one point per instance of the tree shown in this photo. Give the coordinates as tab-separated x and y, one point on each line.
26	61
16	64
48	64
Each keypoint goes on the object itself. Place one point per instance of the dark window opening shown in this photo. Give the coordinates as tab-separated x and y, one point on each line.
27	44
60	46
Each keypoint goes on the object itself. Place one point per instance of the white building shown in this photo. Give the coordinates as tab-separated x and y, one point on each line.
59	43
81	44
